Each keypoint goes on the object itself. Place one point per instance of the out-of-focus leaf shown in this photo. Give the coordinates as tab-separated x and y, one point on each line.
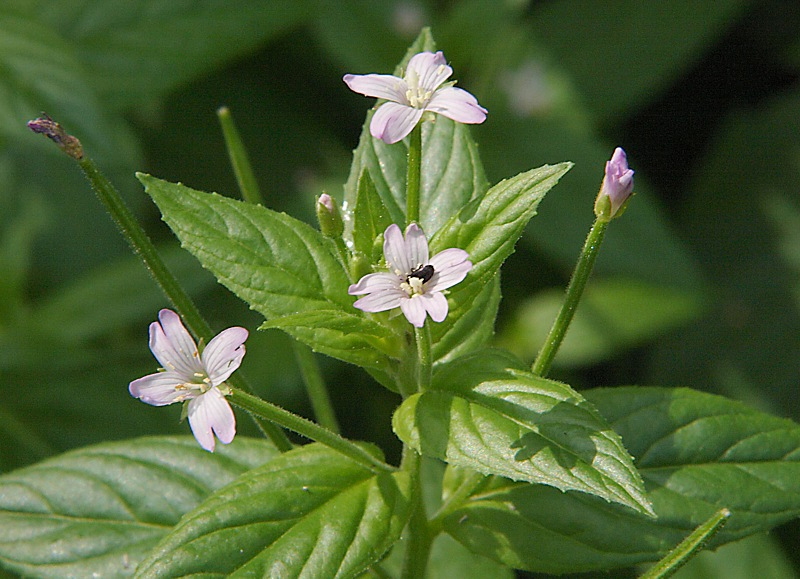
737	221
757	556
97	511
40	71
667	38
696	453
613	316
139	50
308	512
112	296
485	414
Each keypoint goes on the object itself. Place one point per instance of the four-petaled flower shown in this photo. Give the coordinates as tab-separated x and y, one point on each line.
617	186
414	282
423	88
188	375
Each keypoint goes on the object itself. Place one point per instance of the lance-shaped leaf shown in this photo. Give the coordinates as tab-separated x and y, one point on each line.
488	228
97	511
696	452
370	219
277	264
486	414
308	513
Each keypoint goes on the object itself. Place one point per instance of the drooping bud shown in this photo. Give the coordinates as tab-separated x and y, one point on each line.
328	216
616	189
56	133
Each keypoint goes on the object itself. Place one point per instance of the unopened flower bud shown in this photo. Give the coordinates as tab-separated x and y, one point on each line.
56	133
617	187
330	220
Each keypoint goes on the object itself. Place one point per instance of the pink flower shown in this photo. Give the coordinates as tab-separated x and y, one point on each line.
188	375
617	186
423	88
415	283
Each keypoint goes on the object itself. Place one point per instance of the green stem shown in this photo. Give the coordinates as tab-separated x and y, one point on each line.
315	386
420	538
689	547
580	276
413	174
424	362
141	244
240	162
308	429
458	498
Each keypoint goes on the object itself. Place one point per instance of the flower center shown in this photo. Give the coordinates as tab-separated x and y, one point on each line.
200	384
417	96
416	280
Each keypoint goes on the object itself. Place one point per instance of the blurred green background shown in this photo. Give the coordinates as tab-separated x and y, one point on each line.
697	285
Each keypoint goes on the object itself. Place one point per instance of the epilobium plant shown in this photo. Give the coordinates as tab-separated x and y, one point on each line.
523	472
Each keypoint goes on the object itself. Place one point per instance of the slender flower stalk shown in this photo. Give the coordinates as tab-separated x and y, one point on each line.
413	175
689	547
577	284
421	89
616	190
309	429
248	186
237	152
141	244
315	386
420	536
414	283
188	375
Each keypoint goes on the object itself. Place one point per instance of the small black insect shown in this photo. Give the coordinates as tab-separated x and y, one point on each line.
425	273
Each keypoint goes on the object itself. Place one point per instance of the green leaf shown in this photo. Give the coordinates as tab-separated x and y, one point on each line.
486	414
349	336
614	315
370	218
277	264
308	512
39	70
586	40
696	453
488	228
97	511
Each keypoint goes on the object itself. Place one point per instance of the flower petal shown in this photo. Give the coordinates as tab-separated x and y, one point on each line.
382	86
173	347
224	353
393	122
416	246
209	414
373	282
450	267
382	300
436	305
394	250
430	69
159	389
457	104
414	311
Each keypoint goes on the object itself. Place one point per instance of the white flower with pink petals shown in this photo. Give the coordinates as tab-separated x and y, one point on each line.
414	283
188	375
422	88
